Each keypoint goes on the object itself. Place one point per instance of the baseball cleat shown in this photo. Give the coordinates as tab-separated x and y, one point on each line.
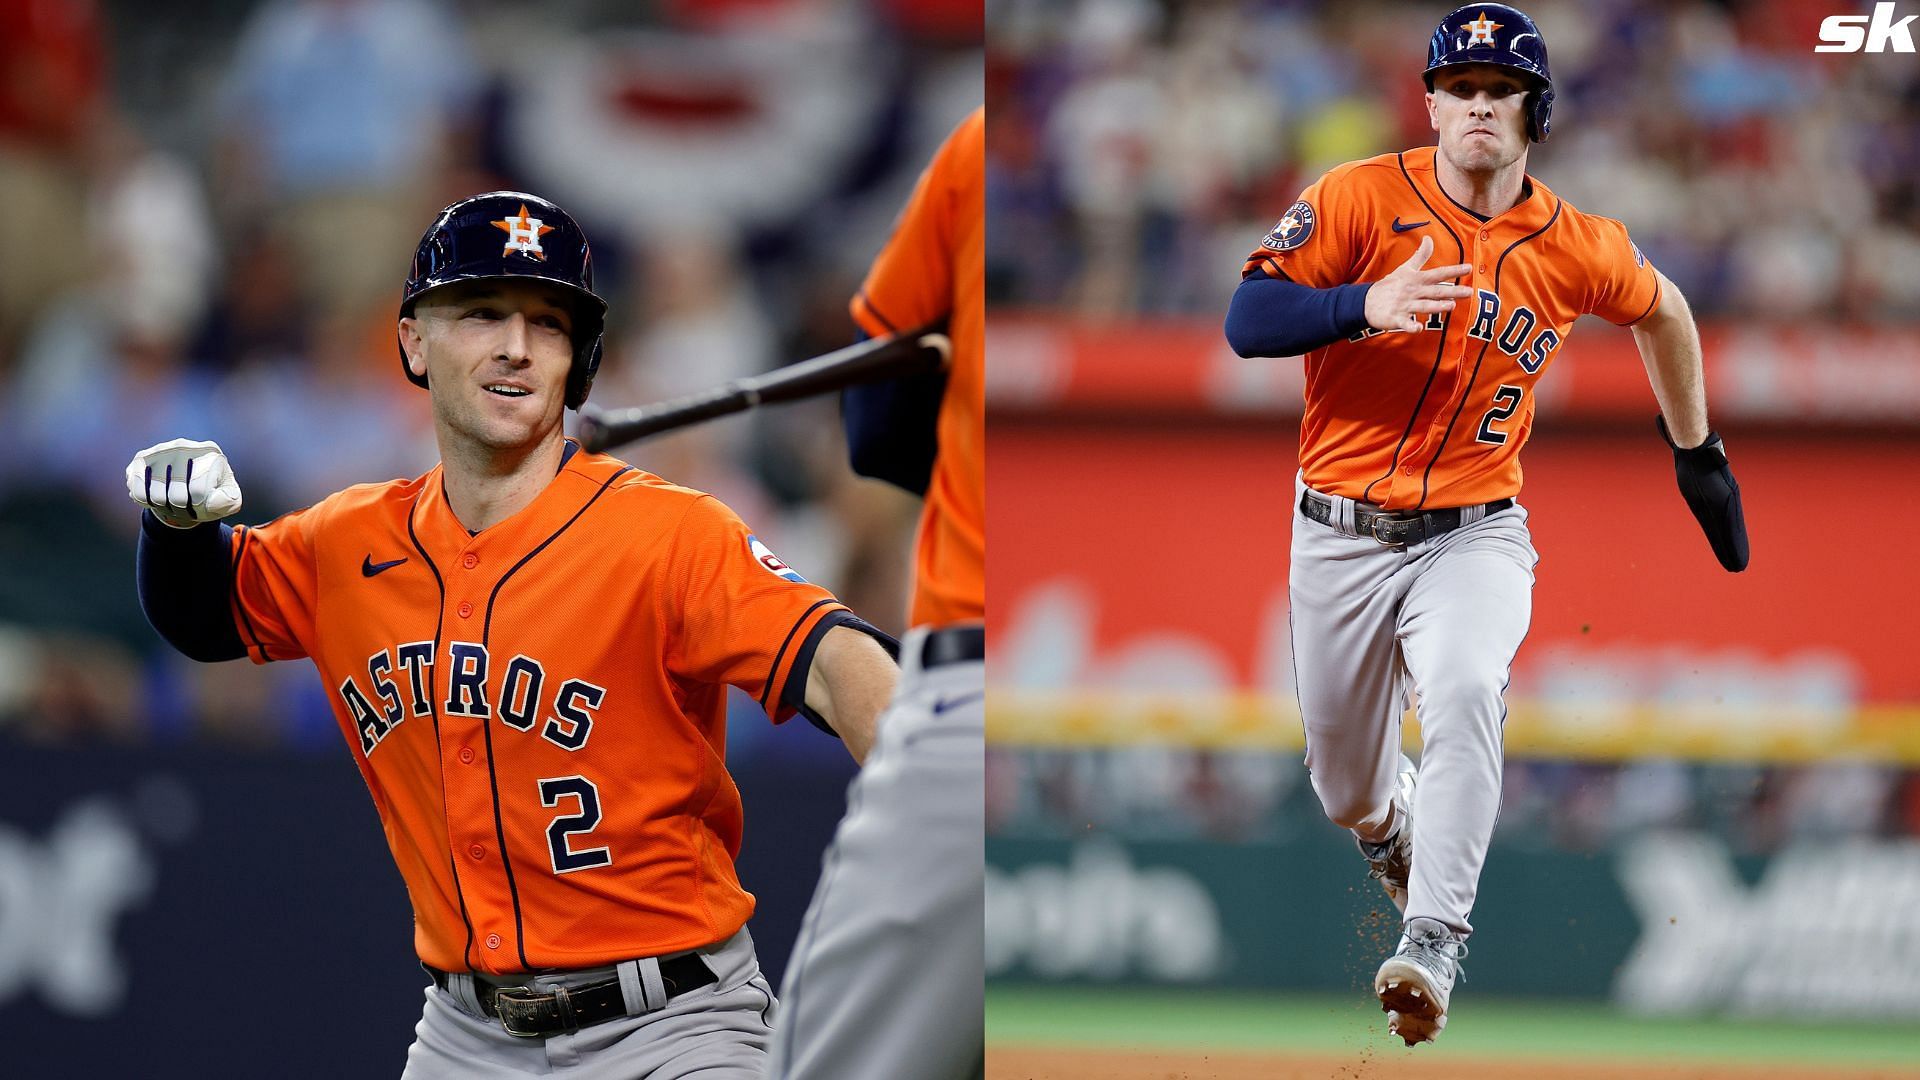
1415	983
1391	860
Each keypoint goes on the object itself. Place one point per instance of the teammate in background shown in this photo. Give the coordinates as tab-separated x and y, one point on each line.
1412	563
885	982
528	650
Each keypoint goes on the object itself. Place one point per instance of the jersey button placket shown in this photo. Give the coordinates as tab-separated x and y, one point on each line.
469	561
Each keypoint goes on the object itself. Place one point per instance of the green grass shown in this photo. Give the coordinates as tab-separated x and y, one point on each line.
1255	1021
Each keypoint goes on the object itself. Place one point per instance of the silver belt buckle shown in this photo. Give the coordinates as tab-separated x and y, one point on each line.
1374	528
513	1008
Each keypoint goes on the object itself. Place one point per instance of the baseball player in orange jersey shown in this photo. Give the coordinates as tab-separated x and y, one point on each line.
1412	566
885	982
528	650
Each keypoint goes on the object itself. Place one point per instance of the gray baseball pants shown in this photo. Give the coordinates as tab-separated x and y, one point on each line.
886	978
1443	618
715	1032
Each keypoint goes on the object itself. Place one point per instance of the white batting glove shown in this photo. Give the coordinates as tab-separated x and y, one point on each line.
184	483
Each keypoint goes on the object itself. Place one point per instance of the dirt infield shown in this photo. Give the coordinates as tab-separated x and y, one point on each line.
1387	1063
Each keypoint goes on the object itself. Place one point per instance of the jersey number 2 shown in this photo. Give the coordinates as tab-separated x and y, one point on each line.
567	859
1505	400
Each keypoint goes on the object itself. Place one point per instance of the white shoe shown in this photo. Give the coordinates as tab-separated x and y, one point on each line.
1416	982
1391	860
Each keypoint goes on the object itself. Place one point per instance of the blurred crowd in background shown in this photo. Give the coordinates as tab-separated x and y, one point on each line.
1140	148
1243	796
210	208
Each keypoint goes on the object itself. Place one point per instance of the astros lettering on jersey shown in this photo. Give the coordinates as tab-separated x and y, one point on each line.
1437	418
913	282
579	783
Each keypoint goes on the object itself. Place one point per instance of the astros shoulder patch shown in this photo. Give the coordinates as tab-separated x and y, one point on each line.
1293	229
765	557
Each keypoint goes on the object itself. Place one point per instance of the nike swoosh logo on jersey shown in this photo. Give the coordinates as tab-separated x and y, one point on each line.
949	704
368	567
1397	227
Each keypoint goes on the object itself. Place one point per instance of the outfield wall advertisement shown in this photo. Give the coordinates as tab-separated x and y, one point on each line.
184	911
1668	923
1152	558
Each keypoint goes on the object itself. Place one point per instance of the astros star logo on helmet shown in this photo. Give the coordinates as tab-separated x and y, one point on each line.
523	234
1482	29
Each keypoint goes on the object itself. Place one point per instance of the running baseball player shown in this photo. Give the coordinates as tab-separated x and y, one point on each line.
886	979
528	650
1412	566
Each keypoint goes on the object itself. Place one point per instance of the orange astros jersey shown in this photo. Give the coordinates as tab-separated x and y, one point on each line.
539	709
935	267
1437	418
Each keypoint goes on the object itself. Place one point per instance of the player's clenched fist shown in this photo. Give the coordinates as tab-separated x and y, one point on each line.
184	482
1402	300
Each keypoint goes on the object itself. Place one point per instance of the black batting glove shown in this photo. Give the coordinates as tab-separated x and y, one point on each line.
1707	483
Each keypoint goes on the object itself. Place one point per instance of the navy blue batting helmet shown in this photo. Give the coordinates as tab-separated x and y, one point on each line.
1503	36
510	234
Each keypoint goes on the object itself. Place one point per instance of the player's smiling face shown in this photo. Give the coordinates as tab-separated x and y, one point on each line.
1480	111
496	355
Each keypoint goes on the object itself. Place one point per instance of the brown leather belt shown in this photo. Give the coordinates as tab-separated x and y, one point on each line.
531	1013
1396	529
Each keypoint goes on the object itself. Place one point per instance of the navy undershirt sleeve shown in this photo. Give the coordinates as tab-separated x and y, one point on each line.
893	428
1277	317
185	579
794	693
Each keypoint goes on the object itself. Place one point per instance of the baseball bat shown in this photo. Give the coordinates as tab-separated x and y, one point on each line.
911	353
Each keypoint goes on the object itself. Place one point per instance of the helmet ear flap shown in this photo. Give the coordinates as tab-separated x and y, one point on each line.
589	336
1540	114
580	379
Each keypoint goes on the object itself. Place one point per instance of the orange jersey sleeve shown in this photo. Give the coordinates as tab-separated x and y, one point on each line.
539	709
1625	287
1436	418
932	268
273	586
1318	240
735	613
